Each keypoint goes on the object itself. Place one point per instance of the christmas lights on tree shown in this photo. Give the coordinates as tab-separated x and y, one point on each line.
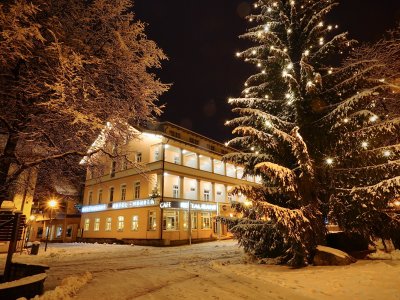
308	129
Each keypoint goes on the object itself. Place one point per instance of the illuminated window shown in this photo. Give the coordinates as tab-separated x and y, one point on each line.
152	220
205	220
123	192
108	224
176	159
96	225
206	194
120	224
59	231
156	154
135	223
137	190
170	220
175	191
193	224
139	157
87	223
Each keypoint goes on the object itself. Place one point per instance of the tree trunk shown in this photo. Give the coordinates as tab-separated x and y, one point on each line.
7	158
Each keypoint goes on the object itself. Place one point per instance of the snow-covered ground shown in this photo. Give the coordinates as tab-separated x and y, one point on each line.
215	270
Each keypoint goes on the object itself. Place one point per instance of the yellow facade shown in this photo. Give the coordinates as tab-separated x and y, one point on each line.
177	173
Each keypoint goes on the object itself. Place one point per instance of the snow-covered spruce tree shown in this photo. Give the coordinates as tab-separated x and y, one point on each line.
66	68
277	132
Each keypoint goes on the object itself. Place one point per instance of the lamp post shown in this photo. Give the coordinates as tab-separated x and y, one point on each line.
52	204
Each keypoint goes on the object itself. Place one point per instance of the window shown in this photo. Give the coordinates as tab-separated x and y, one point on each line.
96	225
108	224
192	188
219	193
90	197
87	223
113	167
59	230
211	147
175	191
193	224
68	232
194	141
139	157
206	194
137	189
39	232
120	224
135	223
100	196
230	198
123	192
170	220
176	159
175	134
111	194
205	220
152	220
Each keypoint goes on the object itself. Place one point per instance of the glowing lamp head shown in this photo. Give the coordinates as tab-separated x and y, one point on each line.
52	203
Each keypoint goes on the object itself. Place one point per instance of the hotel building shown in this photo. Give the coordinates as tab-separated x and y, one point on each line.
183	175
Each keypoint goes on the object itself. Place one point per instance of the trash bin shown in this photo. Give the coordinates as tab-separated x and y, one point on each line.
35	248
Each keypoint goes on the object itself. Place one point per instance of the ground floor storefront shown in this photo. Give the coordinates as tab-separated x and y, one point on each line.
154	222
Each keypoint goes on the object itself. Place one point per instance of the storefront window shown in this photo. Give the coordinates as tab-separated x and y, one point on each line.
68	233
108	224
59	230
96	225
170	220
205	220
186	220
87	223
135	223
120	225
152	220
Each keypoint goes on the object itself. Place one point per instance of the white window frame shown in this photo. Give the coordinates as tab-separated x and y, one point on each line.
108	224
86	225
152	220
120	223
135	223
136	190
175	191
96	224
139	157
170	220
100	196
205	220
206	194
123	192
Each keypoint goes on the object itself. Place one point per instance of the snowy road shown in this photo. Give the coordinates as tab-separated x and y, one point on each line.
214	270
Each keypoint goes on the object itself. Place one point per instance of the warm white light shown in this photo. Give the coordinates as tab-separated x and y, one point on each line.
52	203
269	9
346	120
245	84
253	52
320	24
307	53
251	19
237	54
252	148
289	66
255	5
386	153
263	71
266	96
259	65
287	96
266	28
226	144
268	123
329	161
289	30
330	27
364	144
184	151
373	118
230	100
284	73
257	152
309	83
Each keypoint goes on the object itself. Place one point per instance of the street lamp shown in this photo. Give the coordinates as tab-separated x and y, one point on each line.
52	204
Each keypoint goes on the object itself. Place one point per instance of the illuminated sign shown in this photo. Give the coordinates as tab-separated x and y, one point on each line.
119	205
134	203
93	208
185	205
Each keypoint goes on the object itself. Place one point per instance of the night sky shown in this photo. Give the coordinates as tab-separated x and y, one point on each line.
200	38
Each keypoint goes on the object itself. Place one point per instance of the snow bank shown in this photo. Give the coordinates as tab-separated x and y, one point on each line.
68	288
394	255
